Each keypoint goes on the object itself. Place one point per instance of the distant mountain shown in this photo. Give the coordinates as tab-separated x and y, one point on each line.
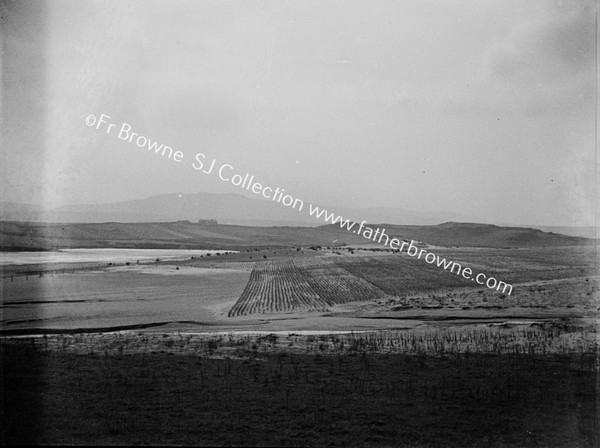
225	208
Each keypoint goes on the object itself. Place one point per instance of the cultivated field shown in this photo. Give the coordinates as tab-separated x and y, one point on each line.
564	279
308	285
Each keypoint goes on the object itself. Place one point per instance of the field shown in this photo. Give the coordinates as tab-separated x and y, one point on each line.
309	285
309	346
544	278
301	288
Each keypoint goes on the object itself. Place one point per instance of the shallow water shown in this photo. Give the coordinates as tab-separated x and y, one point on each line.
98	255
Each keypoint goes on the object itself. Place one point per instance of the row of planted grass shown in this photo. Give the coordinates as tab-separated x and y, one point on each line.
552	337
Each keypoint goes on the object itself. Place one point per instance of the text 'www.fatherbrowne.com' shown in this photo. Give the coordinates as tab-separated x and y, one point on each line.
380	236
227	173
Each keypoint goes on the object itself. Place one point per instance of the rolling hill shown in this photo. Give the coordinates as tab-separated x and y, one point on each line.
48	236
478	235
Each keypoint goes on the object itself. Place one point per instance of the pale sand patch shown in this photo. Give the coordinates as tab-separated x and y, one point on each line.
171	270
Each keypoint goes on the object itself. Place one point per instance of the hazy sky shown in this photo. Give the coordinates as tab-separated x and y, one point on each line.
486	108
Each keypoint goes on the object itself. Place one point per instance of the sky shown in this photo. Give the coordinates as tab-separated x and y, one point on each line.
484	108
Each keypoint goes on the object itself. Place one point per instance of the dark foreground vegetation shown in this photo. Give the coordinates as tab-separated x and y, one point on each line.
274	390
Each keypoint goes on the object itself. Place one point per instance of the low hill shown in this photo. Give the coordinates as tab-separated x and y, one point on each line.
584	231
477	235
48	236
233	209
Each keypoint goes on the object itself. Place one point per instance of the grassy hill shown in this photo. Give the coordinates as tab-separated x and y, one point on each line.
476	235
40	236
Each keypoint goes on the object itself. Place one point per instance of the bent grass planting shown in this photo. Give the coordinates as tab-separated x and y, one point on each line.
301	285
